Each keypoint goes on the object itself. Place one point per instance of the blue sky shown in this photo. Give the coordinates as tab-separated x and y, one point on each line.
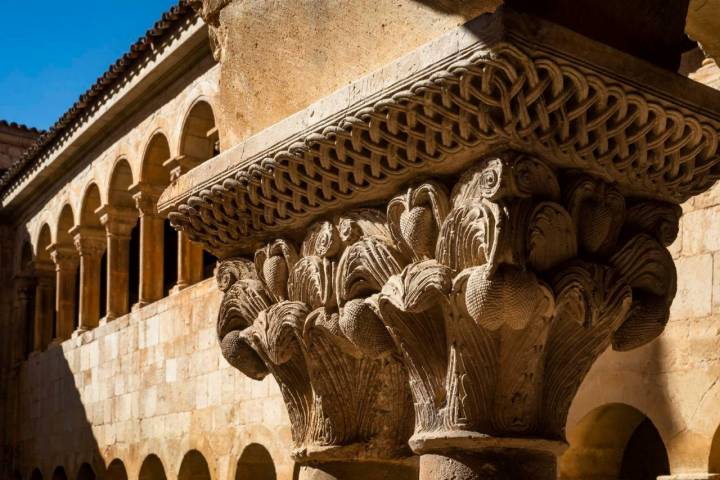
51	51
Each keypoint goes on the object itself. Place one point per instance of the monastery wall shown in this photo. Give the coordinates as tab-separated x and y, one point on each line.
151	382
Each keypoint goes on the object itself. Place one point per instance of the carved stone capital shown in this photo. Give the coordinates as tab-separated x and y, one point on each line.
64	256
497	289
118	222
303	314
89	241
146	197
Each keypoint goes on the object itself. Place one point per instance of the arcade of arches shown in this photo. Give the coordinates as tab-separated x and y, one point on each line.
419	241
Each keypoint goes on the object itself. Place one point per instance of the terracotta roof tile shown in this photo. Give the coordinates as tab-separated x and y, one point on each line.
20	126
169	21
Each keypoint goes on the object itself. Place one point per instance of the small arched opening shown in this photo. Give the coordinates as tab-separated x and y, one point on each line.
123	256
198	143
194	467
59	474
67	265
116	470
152	469
45	315
614	441
91	240
255	463
714	460
86	472
159	242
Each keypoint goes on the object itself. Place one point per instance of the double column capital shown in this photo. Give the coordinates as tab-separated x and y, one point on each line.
118	221
89	241
180	165
146	197
64	256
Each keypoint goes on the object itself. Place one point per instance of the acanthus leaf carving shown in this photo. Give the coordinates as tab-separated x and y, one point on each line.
491	302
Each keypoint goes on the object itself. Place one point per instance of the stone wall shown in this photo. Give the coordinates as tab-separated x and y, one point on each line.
151	382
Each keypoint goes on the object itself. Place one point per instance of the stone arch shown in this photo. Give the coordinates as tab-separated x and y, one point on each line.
59	474
154	169
194	467
91	203
199	141
86	472
152	469
36	474
714	459
121	178
199	137
44	240
255	463
116	470
614	441
66	221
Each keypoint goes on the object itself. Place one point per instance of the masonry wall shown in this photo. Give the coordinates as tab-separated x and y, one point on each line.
151	382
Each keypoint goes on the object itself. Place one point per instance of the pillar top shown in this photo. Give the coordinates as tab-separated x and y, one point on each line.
89	240
503	80
117	220
146	196
64	255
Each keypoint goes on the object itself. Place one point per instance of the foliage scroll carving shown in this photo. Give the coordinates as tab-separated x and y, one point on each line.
486	298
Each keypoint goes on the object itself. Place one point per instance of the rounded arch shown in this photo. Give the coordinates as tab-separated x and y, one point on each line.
116	470
199	137
86	472
152	469
255	463
714	460
194	467
44	240
121	178
65	222
36	474
153	169
59	474
91	202
614	441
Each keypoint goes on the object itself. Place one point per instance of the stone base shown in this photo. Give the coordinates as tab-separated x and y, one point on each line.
502	464
357	471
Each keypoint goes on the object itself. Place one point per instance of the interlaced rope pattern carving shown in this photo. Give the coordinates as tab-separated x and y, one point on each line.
568	115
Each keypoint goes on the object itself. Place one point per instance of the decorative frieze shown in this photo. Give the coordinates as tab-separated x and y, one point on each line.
521	83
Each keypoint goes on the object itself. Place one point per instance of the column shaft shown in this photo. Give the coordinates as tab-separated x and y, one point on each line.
190	258
65	295
151	258
89	291
44	308
118	258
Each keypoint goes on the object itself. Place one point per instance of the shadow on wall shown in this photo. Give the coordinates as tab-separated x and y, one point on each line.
49	408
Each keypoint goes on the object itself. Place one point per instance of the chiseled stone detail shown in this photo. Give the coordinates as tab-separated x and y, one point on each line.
497	293
303	316
509	88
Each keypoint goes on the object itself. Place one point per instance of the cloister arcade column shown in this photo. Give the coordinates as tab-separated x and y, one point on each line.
151	243
22	317
118	223
44	304
433	266
66	262
90	243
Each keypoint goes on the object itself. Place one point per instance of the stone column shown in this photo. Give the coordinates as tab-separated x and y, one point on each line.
90	243
151	243
66	262
24	296
190	254
44	305
118	225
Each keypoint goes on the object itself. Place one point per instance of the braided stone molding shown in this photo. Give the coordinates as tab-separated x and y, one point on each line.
511	88
496	298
